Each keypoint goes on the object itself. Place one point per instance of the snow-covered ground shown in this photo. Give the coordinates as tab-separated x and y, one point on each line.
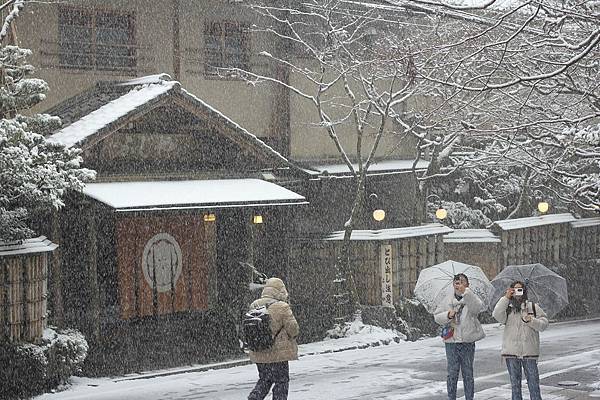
398	371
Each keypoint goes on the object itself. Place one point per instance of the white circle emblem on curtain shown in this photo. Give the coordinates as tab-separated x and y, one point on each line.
161	262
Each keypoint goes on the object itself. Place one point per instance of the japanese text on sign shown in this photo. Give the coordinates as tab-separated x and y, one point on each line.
386	275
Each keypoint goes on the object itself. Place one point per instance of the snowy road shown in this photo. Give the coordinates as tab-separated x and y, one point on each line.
395	372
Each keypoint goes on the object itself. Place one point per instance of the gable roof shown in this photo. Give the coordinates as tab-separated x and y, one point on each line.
105	108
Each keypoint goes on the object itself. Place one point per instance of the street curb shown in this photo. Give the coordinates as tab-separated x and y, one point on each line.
246	361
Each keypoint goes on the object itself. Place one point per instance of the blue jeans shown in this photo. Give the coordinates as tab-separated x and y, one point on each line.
460	357
529	365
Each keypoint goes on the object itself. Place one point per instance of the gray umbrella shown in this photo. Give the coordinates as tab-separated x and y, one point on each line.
544	287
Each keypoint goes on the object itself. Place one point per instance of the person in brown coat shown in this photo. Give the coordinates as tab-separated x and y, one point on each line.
272	364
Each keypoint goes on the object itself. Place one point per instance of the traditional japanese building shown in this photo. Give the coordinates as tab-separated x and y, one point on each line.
159	249
160	246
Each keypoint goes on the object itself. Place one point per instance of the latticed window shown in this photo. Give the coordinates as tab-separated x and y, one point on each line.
96	39
227	45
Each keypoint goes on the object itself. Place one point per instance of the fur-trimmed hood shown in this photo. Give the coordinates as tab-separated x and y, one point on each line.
275	289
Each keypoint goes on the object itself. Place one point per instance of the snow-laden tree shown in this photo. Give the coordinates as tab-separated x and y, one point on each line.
34	174
357	81
524	75
478	92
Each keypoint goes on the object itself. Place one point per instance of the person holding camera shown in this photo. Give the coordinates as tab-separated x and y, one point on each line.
524	320
458	314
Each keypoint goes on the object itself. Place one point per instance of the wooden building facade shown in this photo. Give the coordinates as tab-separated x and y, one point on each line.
153	254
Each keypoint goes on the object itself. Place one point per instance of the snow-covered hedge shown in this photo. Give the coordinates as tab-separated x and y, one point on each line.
30	369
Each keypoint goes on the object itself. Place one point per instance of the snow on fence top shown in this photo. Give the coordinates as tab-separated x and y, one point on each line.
381	166
393	233
521	223
28	246
585	222
471	236
218	193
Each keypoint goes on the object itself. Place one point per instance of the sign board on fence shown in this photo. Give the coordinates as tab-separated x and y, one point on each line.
385	260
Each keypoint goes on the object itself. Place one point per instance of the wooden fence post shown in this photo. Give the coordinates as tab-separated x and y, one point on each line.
413	264
405	263
439	250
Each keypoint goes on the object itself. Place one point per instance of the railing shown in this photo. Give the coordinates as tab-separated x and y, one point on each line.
140	60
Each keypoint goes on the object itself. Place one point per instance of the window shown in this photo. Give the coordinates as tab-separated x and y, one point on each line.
96	39
226	45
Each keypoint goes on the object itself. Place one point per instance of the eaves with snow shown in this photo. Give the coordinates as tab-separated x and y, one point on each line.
109	106
109	109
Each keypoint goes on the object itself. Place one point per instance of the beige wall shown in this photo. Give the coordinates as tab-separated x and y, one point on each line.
154	35
38	30
312	142
253	107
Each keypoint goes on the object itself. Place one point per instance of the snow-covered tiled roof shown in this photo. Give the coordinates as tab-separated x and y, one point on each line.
471	236
393	233
585	222
377	167
111	112
28	246
218	193
103	108
520	223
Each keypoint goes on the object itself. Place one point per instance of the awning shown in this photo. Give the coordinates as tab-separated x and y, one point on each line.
206	194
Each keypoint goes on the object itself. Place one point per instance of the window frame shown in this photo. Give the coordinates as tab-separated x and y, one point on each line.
65	47
224	52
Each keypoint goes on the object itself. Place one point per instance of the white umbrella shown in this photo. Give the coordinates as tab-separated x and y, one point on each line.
435	283
544	286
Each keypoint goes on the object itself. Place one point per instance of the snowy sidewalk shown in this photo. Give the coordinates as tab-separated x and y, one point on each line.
334	370
548	393
363	336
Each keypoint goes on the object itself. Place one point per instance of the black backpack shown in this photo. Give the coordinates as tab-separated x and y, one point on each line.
256	329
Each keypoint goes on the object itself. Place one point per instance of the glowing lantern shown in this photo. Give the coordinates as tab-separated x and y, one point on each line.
441	213
210	217
379	215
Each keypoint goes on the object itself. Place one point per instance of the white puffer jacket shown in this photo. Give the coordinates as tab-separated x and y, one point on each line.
469	329
520	339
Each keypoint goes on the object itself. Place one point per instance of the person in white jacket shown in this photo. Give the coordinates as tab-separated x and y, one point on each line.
459	312
523	321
